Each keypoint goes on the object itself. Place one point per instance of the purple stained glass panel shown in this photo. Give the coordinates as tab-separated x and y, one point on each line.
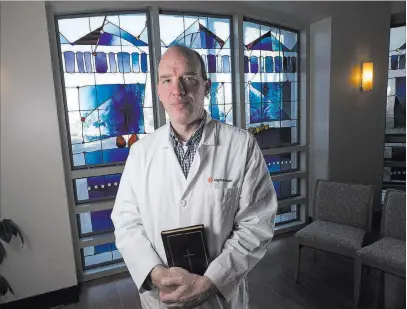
105	108
95	222
254	65
81	64
286	162
69	62
96	188
101	63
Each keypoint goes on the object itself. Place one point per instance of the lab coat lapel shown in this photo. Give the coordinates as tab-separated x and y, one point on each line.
177	180
207	143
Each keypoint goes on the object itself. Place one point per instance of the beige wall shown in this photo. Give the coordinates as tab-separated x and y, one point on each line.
357	119
33	190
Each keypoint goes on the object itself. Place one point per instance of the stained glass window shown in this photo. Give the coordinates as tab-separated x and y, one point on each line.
394	165
106	71
280	163
287	214
95	222
396	87
271	84
287	188
96	188
95	256
210	37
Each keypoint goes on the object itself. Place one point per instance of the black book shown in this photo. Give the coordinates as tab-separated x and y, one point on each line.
186	248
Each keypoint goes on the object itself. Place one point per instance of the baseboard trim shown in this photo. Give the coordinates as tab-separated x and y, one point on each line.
46	301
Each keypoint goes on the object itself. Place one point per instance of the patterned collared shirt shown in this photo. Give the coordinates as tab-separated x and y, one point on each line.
185	158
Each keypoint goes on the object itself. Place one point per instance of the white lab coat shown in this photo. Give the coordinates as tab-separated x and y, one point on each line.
237	208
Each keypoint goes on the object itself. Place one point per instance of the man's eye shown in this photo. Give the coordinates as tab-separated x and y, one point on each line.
165	81
189	79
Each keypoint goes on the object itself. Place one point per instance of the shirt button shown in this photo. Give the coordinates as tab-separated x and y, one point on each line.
183	203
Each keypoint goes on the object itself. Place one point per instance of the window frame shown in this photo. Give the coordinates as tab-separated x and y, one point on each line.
232	37
239	106
299	115
60	63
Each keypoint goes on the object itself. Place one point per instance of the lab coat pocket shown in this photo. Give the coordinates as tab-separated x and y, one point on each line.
224	198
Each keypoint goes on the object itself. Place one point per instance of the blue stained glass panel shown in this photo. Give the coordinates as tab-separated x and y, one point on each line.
226	64
112	63
81	64
286	188
88	62
210	37
106	108
277	64
394	61
95	222
104	254
144	66
269	64
287	214
402	62
135	62
293	64
285	162
271	77
124	62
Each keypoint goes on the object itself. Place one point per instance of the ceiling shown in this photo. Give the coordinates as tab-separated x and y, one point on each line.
308	12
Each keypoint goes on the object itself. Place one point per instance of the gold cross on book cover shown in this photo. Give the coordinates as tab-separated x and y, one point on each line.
186	248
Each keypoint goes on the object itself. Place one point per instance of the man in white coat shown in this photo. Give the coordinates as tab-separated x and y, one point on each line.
193	170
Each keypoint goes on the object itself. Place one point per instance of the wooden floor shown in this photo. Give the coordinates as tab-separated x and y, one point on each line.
325	282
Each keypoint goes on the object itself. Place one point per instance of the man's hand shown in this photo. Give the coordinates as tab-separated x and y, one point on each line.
160	272
192	290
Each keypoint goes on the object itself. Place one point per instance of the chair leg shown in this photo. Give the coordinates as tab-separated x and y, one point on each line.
382	289
357	282
297	261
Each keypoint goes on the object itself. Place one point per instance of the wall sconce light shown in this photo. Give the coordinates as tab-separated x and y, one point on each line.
366	83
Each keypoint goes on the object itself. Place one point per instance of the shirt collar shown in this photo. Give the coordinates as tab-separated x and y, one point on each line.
196	136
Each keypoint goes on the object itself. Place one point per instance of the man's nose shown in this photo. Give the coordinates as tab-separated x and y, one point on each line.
178	89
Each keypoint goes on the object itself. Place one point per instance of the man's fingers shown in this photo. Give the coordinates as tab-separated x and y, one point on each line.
171	281
173	297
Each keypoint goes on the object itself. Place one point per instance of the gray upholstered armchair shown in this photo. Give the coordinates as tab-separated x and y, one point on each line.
389	253
342	217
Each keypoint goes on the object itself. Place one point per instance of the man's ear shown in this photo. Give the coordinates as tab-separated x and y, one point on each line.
208	84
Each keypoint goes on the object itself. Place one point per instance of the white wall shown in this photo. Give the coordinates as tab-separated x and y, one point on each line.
33	190
319	83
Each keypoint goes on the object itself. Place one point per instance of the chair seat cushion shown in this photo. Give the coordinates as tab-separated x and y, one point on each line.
335	237
388	251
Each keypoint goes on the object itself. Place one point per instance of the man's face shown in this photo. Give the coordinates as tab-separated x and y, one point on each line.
181	87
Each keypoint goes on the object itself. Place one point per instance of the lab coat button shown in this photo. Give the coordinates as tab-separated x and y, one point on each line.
183	203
